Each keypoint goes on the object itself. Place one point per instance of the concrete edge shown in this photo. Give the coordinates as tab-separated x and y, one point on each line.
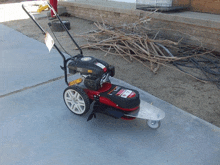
103	8
141	13
186	20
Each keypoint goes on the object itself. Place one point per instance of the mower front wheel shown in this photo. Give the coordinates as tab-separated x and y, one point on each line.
76	100
153	124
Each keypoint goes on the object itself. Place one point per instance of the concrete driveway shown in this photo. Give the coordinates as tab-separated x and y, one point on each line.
37	128
25	62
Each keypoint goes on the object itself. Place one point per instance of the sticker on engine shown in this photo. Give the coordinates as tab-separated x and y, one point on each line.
124	93
100	65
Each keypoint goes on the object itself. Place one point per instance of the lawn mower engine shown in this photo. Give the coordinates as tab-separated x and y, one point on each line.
111	99
95	71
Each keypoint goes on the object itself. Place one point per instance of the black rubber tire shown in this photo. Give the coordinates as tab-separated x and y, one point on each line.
56	26
82	97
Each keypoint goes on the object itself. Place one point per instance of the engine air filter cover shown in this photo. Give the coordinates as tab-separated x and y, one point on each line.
88	65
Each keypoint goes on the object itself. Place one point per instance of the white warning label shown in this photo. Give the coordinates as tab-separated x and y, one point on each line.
124	93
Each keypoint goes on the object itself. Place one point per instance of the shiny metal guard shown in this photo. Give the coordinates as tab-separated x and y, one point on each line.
147	111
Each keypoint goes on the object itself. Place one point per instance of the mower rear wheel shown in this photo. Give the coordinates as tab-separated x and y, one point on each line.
76	100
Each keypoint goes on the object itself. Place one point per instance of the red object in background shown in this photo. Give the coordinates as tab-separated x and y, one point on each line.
54	4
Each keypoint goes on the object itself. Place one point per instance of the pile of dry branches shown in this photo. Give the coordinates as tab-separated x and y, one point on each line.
134	42
130	44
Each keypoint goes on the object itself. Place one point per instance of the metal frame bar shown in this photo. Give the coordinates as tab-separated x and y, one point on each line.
64	68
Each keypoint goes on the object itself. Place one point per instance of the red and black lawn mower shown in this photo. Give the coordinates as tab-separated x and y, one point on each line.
93	90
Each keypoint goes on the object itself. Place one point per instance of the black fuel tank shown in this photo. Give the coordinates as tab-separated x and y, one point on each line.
88	65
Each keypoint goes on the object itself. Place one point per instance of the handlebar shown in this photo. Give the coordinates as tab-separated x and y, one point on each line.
50	6
43	31
65	61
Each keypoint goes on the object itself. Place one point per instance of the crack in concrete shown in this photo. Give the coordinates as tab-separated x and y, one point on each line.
33	86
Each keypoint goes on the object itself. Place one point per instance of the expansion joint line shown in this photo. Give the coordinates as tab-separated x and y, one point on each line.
30	87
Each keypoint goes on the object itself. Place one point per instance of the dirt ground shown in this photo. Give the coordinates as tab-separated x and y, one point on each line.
171	85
